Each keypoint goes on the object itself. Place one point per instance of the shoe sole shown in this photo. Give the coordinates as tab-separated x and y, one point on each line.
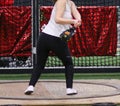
28	92
71	93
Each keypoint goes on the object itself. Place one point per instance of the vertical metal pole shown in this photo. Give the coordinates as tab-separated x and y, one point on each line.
35	28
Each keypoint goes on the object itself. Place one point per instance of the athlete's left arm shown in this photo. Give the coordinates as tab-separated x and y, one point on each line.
75	12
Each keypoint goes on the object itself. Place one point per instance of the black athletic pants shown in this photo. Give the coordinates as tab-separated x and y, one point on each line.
45	44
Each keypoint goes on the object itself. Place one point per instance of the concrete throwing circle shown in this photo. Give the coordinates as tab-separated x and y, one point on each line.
55	90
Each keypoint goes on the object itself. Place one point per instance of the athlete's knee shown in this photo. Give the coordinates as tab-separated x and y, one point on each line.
69	67
69	62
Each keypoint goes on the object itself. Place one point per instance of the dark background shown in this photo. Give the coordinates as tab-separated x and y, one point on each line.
77	2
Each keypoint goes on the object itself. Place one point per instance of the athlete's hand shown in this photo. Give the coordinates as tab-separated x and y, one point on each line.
77	23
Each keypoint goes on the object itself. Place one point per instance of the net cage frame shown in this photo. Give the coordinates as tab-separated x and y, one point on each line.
35	31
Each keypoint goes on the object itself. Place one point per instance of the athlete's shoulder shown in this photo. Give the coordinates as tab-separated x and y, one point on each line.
62	1
72	2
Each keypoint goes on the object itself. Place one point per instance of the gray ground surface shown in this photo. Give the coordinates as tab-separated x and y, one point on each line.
54	92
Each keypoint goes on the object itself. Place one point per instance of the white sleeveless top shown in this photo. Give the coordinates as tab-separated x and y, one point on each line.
54	29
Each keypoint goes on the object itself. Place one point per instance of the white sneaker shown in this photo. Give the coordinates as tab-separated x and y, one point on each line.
29	90
71	91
